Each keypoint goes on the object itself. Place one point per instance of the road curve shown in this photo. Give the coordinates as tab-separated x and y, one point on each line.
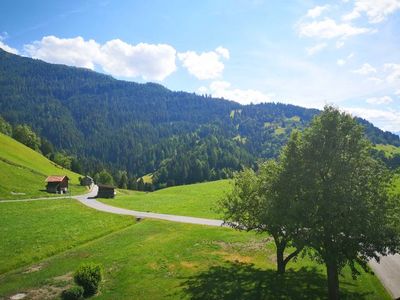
90	201
388	272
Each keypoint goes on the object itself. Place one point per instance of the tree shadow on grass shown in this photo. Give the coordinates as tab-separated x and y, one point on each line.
237	280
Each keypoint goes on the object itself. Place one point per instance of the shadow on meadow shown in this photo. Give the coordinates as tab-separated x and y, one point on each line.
244	281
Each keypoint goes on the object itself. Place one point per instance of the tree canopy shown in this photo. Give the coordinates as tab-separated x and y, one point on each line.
326	194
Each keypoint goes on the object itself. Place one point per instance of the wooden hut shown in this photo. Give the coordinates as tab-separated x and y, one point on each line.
105	191
57	184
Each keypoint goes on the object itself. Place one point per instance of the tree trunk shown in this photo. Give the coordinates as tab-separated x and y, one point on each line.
333	280
280	261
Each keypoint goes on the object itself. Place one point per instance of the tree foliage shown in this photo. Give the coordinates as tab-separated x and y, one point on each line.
25	135
5	127
261	202
343	200
103	177
326	193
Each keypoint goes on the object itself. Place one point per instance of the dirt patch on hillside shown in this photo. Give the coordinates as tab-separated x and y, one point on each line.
33	268
189	265
44	293
66	277
234	257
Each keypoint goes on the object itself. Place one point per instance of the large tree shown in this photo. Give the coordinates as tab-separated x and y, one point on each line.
262	202
344	201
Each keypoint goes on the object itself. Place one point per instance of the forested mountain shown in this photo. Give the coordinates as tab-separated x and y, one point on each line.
145	128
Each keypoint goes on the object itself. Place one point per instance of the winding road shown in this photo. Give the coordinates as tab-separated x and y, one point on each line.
90	201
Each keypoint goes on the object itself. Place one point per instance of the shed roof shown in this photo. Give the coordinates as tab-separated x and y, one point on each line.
105	186
56	178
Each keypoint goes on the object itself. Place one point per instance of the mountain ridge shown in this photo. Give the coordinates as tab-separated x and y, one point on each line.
146	128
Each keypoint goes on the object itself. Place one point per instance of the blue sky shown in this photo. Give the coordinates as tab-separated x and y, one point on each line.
304	52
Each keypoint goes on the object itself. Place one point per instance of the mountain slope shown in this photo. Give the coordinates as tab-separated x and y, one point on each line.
146	128
23	171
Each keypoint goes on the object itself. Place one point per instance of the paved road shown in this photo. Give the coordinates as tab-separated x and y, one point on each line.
388	271
93	203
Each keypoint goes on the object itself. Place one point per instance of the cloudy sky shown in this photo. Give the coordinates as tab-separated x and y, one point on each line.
304	52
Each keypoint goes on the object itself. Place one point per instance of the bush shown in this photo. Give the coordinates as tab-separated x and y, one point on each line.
89	277
73	293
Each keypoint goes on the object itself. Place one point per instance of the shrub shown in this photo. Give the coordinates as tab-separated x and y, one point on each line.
89	277
73	293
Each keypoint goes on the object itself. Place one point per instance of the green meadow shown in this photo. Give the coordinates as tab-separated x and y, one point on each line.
152	259
389	150
31	231
24	170
196	200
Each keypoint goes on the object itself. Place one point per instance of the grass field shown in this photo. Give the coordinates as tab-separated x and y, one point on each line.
23	171
196	200
165	260
389	150
31	231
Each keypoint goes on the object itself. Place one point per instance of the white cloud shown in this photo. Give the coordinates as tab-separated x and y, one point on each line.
8	48
222	89
223	52
394	72
365	69
397	93
146	60
5	47
377	80
207	65
328	29
341	62
202	90
315	49
339	44
376	10
380	100
316	11
384	119
153	62
74	51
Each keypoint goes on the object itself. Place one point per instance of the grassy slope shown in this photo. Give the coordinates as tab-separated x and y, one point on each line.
198	200
389	150
23	170
164	260
30	231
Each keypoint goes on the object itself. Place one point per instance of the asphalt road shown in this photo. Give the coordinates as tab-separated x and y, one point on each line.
89	200
388	271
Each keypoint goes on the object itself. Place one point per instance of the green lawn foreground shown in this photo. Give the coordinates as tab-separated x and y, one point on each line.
31	231
165	260
195	200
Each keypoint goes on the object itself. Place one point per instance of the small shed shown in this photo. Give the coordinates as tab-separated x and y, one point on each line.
105	191
57	184
87	181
